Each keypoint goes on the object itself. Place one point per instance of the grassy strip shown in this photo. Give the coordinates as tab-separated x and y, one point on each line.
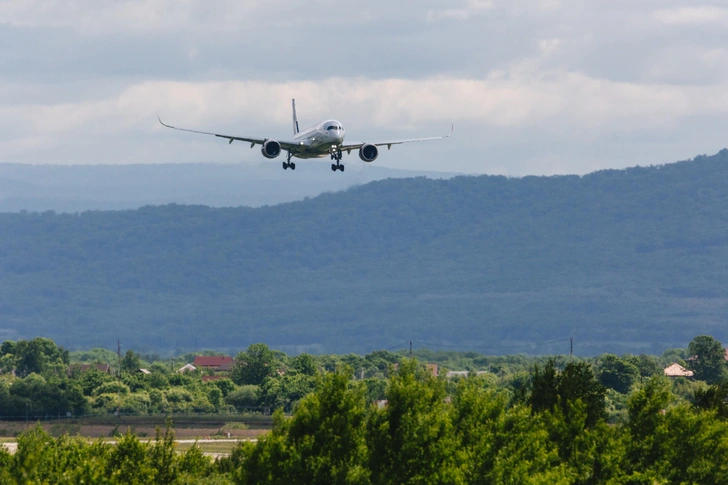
222	447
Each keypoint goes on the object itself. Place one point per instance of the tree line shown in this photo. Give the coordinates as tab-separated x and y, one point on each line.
552	431
39	379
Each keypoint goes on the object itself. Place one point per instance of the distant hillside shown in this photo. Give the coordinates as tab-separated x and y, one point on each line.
76	188
622	260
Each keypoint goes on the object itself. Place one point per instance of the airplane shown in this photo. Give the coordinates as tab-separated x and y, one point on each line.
324	139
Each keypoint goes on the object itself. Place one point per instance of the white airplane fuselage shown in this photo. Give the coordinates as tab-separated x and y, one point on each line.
319	140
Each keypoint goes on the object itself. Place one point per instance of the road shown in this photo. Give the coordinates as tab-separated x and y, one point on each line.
12	446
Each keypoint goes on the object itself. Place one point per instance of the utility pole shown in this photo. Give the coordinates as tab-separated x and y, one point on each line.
118	355
118	397
571	347
410	349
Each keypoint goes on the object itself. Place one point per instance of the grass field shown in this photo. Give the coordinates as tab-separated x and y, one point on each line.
223	447
184	426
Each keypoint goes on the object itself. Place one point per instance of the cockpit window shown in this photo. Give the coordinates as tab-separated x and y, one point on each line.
333	127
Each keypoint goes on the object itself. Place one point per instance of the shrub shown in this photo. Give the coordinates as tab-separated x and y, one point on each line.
111	387
244	397
135	403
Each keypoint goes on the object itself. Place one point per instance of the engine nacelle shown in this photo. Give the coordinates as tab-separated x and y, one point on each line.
271	149
368	153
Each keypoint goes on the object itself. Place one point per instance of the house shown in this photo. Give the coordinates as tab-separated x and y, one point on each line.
187	368
464	373
431	369
218	363
457	373
144	371
676	370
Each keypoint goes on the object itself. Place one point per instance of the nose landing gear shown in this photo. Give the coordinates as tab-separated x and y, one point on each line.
336	155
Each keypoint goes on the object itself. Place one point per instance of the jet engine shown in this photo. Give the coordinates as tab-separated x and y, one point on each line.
271	149
368	153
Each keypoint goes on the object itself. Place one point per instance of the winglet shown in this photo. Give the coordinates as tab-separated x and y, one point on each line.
163	123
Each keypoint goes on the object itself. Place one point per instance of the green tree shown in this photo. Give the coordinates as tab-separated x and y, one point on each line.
648	434
322	444
253	365
696	447
38	356
618	374
225	385
647	365
709	359
7	348
551	389
244	397
305	364
544	386
499	444
131	362
282	391
713	398
412	441
92	379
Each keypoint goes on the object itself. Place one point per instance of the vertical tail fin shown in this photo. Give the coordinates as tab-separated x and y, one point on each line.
295	118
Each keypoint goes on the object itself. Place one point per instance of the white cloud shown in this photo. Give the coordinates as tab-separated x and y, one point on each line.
516	99
549	46
102	17
464	11
543	80
693	15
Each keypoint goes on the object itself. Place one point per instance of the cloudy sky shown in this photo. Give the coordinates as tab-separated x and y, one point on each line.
532	86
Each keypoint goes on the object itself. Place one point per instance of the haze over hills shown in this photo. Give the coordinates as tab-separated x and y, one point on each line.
622	260
75	188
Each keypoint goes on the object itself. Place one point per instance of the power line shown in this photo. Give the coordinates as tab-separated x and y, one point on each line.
396	346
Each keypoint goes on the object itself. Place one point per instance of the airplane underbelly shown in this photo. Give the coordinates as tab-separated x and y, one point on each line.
305	155
315	150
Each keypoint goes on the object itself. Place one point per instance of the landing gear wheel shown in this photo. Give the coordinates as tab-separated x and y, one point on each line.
341	167
292	165
333	167
285	166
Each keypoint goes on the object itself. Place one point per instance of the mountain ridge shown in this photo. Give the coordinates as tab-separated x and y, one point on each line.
622	260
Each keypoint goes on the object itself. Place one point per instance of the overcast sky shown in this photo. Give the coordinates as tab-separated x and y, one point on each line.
533	87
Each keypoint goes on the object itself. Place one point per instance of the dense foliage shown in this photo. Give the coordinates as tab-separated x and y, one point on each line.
424	435
622	260
262	380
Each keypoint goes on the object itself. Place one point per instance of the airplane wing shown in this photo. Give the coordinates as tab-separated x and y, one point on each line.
352	145
286	145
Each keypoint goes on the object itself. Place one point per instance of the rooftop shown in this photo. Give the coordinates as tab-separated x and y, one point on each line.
213	361
676	370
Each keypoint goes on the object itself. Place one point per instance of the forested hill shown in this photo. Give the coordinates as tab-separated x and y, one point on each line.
621	260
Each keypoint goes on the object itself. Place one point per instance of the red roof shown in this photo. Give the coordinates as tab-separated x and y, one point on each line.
212	361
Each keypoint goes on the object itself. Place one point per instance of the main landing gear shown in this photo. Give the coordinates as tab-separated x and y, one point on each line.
289	164
336	155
